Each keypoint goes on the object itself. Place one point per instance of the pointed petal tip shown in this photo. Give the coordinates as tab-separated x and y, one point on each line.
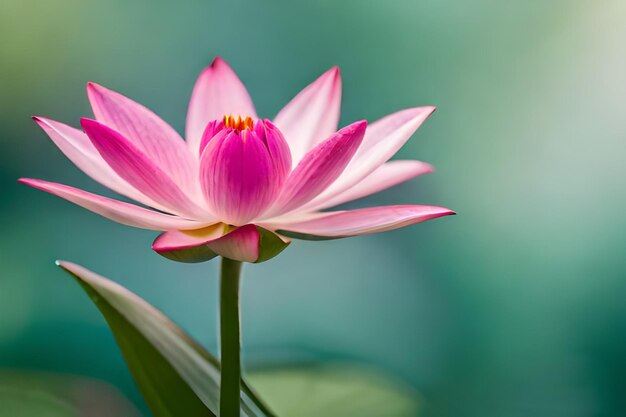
159	247
28	181
94	90
333	76
89	124
217	63
427	168
93	87
446	212
218	60
334	71
42	121
428	109
355	128
67	266
88	121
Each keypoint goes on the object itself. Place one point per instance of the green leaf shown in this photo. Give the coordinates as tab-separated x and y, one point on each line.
176	376
334	391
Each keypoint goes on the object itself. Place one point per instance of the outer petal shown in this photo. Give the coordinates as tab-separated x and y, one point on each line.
238	176
357	222
78	148
148	133
118	211
136	168
240	245
185	239
382	140
386	176
319	168
248	243
312	115
218	92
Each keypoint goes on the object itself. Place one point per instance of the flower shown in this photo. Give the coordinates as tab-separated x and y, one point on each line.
239	186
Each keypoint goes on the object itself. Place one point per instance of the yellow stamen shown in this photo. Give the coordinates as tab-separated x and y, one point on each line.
238	124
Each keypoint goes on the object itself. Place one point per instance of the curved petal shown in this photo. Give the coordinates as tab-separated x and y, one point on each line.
148	133
184	239
218	92
319	168
357	222
77	147
312	115
118	211
248	243
238	175
138	170
385	176
241	244
382	140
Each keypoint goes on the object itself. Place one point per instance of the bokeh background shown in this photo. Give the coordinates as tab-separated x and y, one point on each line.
515	307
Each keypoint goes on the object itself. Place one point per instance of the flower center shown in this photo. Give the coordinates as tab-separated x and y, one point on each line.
238	124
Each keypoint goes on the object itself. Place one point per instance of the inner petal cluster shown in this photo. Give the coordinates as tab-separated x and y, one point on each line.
243	166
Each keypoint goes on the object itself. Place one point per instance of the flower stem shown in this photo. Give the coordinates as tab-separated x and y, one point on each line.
230	338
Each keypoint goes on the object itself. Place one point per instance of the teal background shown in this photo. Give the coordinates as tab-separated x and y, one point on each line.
515	307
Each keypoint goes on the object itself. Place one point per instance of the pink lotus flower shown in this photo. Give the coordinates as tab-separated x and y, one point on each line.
240	186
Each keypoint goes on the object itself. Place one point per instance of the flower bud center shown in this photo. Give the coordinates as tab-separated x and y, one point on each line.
239	123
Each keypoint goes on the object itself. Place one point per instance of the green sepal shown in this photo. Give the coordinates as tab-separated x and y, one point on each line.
270	245
193	255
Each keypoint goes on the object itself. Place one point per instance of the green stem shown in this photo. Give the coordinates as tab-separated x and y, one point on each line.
230	338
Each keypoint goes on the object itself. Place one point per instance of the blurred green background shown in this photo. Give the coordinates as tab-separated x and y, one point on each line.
515	307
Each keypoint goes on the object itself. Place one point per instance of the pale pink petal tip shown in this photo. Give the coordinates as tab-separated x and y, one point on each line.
319	168
118	211
312	115
217	92
359	222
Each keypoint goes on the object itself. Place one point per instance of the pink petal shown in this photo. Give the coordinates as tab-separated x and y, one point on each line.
248	243
118	211
382	140
241	244
138	170
242	173
177	239
385	176
148	133
319	168
217	93
312	115
357	222
78	148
